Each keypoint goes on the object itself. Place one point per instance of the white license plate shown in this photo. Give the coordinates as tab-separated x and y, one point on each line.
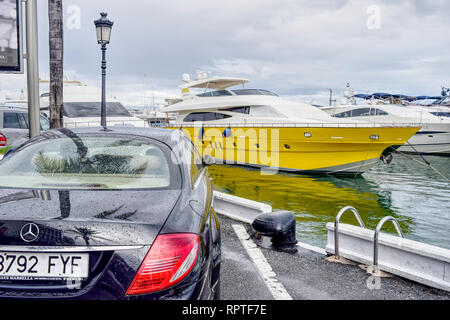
35	266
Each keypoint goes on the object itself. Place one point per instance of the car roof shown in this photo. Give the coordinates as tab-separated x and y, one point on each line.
163	135
13	108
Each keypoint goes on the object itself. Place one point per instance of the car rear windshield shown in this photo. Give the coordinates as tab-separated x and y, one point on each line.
91	162
93	109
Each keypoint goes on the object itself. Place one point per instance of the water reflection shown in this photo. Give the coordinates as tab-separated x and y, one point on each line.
315	200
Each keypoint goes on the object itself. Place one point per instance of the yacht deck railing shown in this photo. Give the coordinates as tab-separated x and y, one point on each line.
294	125
143	123
123	123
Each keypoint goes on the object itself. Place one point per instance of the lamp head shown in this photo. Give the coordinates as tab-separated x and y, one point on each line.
103	27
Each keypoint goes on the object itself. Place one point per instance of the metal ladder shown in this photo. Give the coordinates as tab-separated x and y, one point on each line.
336	226
361	223
375	238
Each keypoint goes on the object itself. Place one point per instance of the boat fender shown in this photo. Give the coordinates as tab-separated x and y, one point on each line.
201	133
226	133
280	226
387	159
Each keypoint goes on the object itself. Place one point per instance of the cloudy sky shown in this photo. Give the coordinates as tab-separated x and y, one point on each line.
298	49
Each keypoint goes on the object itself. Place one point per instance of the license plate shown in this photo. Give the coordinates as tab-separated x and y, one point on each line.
36	266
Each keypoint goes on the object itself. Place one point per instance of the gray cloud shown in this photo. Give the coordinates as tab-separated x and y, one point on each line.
297	48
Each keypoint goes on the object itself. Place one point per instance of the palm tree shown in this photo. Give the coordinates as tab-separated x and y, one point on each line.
56	45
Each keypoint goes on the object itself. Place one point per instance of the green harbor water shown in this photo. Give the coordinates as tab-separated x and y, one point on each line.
412	192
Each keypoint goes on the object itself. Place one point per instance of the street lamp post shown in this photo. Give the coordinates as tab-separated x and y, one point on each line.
103	27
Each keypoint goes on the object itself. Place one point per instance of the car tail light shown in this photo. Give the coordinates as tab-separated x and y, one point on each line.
2	140
169	260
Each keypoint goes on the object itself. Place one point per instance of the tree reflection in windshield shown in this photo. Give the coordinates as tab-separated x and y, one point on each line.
89	162
97	164
80	163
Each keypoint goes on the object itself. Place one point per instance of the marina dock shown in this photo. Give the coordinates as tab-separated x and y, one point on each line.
306	275
253	269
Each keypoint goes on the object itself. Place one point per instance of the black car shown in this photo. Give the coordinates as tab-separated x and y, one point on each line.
118	214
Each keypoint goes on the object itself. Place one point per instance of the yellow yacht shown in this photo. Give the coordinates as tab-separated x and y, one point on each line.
255	127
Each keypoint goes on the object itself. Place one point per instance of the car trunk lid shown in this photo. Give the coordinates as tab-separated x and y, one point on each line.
84	218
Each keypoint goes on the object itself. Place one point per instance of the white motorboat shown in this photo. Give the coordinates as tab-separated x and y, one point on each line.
82	107
432	138
256	127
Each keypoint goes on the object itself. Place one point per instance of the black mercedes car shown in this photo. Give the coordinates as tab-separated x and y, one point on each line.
118	214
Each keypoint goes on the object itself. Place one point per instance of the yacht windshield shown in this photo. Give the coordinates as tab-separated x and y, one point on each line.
253	92
361	112
215	93
268	93
238	92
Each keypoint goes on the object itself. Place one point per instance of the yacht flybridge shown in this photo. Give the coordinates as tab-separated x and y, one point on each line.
256	127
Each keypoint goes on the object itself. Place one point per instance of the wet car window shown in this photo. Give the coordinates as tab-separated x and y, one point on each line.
11	120
90	163
23	120
93	109
45	125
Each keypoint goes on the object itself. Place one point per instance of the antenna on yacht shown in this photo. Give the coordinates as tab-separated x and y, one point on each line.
186	78
349	94
202	74
153	99
445	91
331	98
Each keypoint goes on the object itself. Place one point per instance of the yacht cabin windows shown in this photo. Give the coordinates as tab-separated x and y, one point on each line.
219	93
244	110
268	93
361	112
238	92
253	92
247	92
205	116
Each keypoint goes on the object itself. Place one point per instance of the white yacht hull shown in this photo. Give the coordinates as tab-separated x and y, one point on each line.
431	139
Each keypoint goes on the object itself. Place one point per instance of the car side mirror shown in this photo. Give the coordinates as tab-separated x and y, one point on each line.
208	160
